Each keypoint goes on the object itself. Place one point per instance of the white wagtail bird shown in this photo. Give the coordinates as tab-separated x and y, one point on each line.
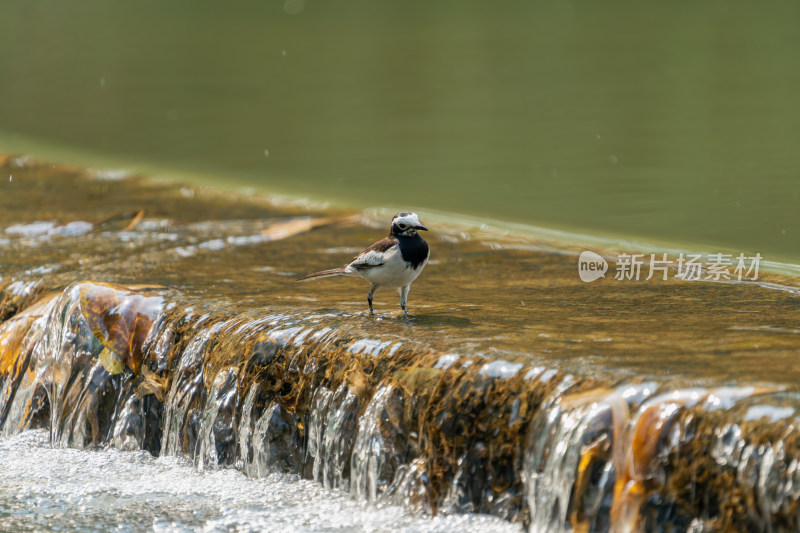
391	263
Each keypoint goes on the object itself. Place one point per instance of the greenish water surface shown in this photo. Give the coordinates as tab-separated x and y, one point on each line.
669	122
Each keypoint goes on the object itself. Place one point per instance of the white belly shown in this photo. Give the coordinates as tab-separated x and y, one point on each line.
392	274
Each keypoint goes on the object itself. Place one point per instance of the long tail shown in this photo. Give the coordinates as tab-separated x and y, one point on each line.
324	274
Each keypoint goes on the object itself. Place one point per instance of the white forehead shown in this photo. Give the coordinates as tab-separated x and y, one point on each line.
410	219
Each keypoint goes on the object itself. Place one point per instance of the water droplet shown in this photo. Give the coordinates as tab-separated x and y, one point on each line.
102	83
266	153
613	159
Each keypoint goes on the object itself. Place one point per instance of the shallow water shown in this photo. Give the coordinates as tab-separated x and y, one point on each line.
482	294
669	122
514	389
46	488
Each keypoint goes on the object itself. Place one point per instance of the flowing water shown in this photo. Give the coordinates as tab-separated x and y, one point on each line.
158	328
668	122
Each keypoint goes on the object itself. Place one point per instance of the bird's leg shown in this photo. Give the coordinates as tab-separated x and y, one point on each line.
369	298
404	297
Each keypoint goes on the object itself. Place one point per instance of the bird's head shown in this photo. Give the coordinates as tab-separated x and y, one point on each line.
406	224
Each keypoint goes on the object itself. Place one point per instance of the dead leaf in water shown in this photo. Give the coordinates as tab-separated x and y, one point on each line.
151	383
121	321
290	228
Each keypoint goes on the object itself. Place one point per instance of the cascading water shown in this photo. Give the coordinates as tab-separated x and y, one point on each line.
253	393
372	457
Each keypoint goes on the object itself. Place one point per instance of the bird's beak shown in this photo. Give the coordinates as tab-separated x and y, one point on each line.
421	227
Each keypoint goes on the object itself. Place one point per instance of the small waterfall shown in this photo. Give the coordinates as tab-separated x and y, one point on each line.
573	448
373	454
216	442
315	446
635	459
275	443
187	394
268	437
395	422
245	436
332	430
128	432
23	399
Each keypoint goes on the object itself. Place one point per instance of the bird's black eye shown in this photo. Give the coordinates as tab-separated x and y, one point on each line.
402	226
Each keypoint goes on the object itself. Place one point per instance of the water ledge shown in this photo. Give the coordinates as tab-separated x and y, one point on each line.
394	420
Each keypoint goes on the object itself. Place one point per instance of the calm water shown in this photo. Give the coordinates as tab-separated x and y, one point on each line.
668	122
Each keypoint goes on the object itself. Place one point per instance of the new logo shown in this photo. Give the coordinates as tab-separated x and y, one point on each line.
591	266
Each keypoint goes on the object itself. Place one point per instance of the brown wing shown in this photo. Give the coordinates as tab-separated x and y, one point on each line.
371	257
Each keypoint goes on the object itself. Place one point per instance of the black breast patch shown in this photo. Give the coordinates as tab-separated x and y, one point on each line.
413	249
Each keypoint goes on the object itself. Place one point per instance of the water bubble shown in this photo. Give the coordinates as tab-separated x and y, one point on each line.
266	153
613	159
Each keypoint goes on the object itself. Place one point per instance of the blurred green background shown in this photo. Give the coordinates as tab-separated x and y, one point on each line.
665	121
